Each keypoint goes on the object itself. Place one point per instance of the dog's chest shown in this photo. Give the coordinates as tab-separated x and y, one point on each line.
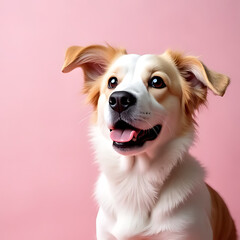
134	197
135	192
130	199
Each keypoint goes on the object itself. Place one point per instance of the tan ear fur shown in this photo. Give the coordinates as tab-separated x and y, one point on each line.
70	56
196	79
219	81
94	60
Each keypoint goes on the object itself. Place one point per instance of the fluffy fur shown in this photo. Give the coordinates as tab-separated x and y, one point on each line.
155	191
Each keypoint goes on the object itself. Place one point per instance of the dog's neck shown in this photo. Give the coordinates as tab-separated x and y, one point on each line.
155	159
157	162
166	155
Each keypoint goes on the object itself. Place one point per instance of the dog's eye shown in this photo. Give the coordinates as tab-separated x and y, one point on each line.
156	82
112	82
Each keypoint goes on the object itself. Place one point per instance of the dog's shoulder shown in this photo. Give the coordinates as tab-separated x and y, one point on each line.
185	179
184	199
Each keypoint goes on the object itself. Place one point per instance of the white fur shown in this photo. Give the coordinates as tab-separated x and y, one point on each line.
156	192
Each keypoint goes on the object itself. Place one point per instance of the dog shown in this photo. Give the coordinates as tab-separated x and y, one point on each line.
144	108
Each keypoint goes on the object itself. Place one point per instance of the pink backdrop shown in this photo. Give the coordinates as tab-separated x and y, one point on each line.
46	169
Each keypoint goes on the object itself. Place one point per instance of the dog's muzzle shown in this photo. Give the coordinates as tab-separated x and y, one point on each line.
123	134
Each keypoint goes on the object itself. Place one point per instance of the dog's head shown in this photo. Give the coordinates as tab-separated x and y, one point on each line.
143	102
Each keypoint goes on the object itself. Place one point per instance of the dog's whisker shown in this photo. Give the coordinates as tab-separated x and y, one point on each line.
152	127
169	129
161	120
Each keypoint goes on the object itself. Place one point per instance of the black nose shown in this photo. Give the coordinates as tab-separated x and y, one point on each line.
121	100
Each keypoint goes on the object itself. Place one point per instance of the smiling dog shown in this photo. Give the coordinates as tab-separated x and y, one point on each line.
150	187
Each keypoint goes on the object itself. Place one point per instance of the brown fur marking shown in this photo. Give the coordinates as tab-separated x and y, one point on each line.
222	223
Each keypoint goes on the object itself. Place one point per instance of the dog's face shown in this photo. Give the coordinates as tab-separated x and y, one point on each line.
143	102
138	103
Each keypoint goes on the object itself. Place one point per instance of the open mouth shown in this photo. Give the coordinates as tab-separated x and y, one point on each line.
125	136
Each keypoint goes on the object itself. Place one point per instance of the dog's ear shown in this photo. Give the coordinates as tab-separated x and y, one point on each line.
197	78
94	60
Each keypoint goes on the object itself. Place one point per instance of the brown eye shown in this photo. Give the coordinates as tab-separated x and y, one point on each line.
112	82
156	82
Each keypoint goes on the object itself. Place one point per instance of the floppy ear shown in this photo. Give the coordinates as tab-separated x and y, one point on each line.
94	60
197	78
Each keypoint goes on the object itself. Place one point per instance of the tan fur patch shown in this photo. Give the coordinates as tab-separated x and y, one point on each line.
222	223
194	96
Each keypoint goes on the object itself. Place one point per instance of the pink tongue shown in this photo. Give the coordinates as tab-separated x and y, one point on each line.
119	135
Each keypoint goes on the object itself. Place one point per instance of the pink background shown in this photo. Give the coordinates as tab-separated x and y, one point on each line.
46	169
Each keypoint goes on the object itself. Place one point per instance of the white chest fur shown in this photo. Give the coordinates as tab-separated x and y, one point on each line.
137	204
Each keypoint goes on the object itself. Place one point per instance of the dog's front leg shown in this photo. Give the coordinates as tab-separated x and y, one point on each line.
103	226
